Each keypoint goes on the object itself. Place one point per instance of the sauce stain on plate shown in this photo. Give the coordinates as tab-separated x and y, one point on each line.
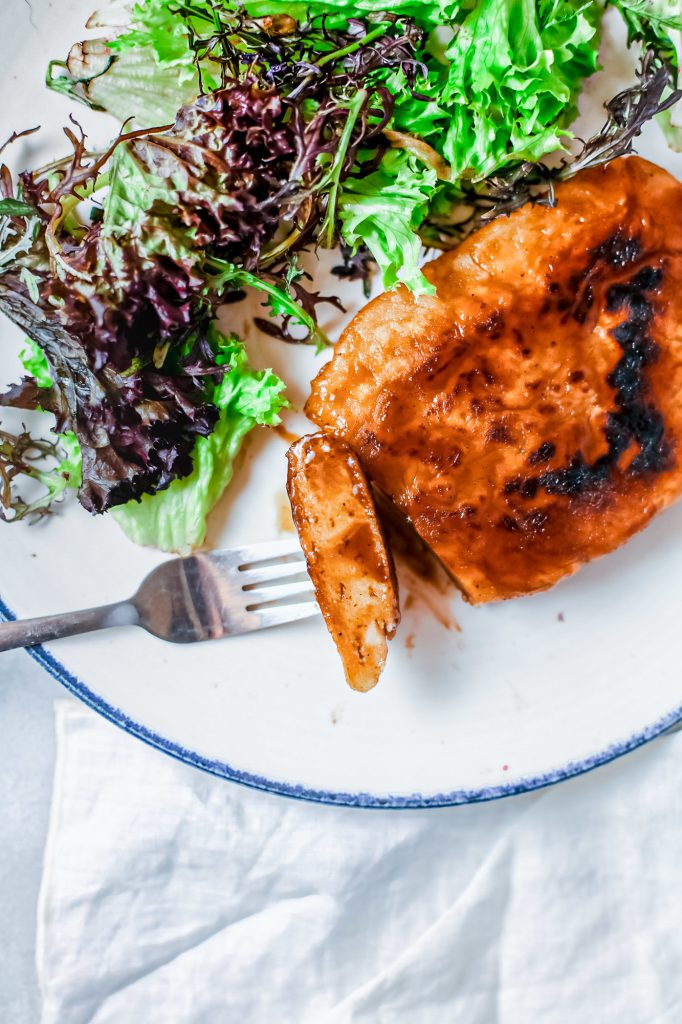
285	522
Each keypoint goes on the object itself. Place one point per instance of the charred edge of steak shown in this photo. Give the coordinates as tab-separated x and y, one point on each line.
636	420
544	453
618	251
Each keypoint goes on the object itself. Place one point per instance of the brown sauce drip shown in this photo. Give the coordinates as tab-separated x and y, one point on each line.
424	583
284	518
285	434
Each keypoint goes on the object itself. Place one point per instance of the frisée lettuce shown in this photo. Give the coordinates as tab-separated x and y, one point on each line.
176	519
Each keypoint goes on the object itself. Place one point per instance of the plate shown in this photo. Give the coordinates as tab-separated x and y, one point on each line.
475	704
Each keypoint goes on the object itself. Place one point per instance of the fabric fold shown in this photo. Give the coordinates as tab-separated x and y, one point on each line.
172	896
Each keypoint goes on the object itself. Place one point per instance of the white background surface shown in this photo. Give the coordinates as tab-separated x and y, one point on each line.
26	763
554	907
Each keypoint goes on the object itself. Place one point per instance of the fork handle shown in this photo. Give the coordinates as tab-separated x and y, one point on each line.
30	632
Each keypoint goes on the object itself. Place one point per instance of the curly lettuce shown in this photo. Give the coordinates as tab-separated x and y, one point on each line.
516	68
33	360
653	23
131	84
176	519
501	88
383	212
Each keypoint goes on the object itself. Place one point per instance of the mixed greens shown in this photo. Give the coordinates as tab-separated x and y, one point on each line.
251	133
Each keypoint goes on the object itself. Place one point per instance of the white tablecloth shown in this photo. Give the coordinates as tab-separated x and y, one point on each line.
170	896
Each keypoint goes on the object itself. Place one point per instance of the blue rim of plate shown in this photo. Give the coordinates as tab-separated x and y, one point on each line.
414	801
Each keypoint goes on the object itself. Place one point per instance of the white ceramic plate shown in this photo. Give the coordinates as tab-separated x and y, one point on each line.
521	694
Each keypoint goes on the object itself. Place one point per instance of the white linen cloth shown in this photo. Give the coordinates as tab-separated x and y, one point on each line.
170	896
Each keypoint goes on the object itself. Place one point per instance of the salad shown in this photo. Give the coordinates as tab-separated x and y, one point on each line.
252	133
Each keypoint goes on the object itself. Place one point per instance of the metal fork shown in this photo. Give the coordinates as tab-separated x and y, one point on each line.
203	597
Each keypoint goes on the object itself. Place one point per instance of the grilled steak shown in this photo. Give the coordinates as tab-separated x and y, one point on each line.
526	418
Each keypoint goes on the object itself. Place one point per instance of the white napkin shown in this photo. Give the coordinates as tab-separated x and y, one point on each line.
170	896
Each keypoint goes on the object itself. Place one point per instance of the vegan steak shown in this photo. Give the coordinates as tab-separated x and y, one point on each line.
527	416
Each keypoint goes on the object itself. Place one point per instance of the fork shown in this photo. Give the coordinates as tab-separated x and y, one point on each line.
203	597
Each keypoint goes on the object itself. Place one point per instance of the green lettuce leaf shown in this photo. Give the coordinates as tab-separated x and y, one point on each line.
503	90
501	83
135	85
175	519
155	24
426	120
16	208
35	363
66	475
159	38
162	28
384	210
516	67
651	22
140	206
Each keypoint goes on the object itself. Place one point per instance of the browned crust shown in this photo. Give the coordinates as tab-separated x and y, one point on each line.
347	558
527	417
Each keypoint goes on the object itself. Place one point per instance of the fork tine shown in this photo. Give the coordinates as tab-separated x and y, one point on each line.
206	596
251	554
267	573
282	614
277	593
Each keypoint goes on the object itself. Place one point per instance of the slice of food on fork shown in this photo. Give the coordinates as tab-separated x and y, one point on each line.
527	417
351	568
